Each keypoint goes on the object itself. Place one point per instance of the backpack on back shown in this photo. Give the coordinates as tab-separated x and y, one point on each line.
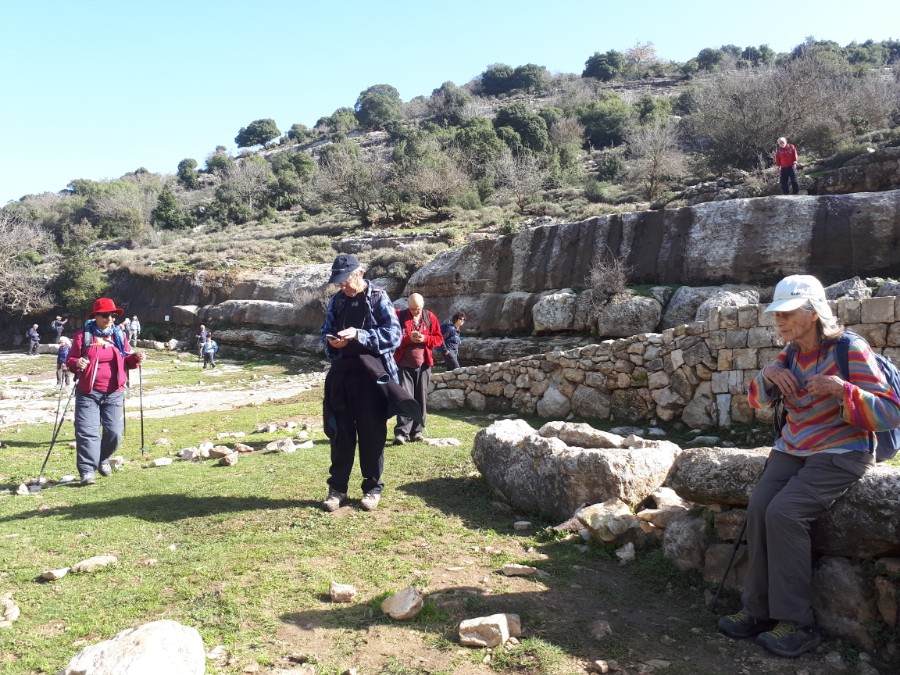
887	442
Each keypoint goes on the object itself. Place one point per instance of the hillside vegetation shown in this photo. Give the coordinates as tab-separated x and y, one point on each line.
630	132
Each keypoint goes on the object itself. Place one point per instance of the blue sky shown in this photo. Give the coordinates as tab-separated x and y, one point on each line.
95	89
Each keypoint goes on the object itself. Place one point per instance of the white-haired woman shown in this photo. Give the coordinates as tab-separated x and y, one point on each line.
824	448
63	374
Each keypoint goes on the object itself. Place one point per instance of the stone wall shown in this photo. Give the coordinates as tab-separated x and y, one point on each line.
697	373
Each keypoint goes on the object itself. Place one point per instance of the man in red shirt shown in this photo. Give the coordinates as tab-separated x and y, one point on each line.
786	161
421	334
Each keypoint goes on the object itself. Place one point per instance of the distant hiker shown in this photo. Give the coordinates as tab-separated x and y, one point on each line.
63	374
824	448
414	357
134	329
360	332
786	161
210	348
201	339
34	340
58	326
452	340
100	355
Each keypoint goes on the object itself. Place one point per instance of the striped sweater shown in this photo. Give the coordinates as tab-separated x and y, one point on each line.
826	423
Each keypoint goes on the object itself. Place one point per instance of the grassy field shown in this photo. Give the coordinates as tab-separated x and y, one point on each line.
246	555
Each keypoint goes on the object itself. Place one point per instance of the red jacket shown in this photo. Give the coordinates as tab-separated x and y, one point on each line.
430	327
786	157
86	379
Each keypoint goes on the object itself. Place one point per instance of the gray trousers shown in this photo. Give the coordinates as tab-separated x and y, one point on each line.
415	381
95	412
791	494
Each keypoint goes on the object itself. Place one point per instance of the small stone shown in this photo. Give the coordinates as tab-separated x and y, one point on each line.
403	604
341	592
658	664
515	570
68	478
9	611
302	435
229	459
173	547
306	445
161	441
94	563
189	454
600	666
243	448
219	451
834	660
667	641
521	525
72	444
53	575
161	461
626	553
218	653
600	629
22	489
117	462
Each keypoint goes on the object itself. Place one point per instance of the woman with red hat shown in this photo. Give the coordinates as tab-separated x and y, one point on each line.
100	355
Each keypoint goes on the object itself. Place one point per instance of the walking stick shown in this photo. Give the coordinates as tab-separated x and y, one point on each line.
57	426
141	398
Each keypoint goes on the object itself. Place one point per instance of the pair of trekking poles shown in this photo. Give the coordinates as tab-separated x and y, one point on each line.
58	421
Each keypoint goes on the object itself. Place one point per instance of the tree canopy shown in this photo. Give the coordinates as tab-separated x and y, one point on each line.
258	132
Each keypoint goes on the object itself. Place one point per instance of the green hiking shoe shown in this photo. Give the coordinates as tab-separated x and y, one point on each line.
742	625
790	639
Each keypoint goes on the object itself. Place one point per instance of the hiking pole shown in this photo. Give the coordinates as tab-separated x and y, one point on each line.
141	398
57	426
737	544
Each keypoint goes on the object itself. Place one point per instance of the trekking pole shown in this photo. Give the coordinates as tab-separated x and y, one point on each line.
141	398
57	426
737	544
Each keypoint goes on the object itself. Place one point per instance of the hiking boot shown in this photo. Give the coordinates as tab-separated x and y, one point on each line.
334	500
790	639
417	438
105	469
399	440
87	478
742	625
370	500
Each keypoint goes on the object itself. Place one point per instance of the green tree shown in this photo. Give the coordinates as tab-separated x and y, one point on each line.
497	79
604	67
447	104
653	109
377	106
80	281
168	214
531	77
258	132
479	144
219	161
709	59
604	119
299	133
530	127
340	121
187	174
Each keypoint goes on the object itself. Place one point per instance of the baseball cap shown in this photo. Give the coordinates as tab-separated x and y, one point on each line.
342	267
795	291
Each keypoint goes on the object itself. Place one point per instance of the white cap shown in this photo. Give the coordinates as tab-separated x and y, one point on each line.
795	291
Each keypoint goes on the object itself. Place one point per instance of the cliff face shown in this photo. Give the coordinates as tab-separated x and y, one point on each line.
498	281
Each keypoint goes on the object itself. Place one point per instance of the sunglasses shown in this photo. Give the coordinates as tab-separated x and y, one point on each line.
107	315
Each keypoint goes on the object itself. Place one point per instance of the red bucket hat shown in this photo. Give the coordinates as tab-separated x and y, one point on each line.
104	305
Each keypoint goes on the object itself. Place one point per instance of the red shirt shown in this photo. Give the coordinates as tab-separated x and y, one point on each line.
786	157
433	338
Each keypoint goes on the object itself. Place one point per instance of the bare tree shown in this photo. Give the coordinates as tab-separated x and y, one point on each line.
567	130
656	156
249	178
22	289
520	176
436	183
355	183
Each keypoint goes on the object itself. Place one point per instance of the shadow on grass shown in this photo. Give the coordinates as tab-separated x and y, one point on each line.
164	508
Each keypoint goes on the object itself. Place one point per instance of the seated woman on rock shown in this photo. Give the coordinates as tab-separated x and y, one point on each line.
825	446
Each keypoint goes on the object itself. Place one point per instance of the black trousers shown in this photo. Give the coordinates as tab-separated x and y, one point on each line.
416	382
788	175
362	420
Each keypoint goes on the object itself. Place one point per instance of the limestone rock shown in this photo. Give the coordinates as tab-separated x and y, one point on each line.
341	592
516	570
446	399
684	543
53	575
161	461
726	298
94	563
189	454
219	451
403	604
158	647
626	553
243	448
9	611
626	316
554	312
717	475
609	521
117	461
538	474
230	459
842	600
489	631
581	435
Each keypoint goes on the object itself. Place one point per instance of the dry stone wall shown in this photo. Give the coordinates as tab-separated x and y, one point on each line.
697	373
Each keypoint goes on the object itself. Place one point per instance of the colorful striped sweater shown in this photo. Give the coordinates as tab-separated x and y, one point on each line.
826	423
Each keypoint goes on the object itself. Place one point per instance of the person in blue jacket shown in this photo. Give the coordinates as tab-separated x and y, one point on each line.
210	349
452	340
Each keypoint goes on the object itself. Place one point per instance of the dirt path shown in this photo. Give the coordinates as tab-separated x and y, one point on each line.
35	401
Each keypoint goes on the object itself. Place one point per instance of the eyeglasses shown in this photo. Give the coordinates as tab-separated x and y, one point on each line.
107	315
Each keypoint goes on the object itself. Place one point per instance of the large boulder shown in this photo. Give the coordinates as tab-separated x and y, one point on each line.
625	316
726	298
545	475
843	600
554	312
717	475
685	302
158	647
